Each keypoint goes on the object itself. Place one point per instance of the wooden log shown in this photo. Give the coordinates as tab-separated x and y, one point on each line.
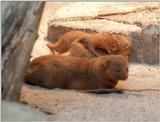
20	24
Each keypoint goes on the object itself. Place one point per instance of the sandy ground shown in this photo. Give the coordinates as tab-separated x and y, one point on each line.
70	105
13	111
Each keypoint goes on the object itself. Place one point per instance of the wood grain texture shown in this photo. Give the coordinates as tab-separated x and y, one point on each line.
20	23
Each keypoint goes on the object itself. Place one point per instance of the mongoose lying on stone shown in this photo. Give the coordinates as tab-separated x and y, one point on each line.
57	71
79	50
63	44
110	44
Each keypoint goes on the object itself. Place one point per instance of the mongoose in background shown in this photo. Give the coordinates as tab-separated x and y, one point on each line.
125	46
110	44
78	49
63	44
57	71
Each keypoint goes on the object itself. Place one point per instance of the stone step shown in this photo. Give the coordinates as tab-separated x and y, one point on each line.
138	21
93	9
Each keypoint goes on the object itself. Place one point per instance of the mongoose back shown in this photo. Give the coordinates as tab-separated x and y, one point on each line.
63	44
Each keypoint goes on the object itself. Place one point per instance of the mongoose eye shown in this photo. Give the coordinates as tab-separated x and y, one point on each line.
117	70
127	69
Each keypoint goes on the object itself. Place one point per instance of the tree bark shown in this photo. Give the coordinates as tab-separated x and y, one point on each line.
20	22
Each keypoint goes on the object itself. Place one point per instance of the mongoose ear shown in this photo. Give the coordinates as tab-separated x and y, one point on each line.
127	46
114	47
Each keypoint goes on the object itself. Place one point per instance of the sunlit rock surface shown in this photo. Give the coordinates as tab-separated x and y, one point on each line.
131	19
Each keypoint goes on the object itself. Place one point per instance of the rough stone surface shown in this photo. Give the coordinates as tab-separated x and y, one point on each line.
50	10
100	26
141	18
146	45
83	9
130	19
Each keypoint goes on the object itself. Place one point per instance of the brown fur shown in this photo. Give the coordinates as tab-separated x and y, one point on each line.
111	44
53	71
125	46
79	50
63	44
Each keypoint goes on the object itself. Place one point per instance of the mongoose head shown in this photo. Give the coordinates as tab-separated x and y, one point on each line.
108	43
117	67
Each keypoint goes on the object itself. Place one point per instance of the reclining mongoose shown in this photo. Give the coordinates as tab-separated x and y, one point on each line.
68	72
79	50
111	44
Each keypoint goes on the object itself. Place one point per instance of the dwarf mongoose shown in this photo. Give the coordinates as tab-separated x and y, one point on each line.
111	44
79	50
63	44
57	71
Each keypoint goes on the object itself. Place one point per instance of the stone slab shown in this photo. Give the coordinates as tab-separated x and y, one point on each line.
92	9
140	22
142	18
